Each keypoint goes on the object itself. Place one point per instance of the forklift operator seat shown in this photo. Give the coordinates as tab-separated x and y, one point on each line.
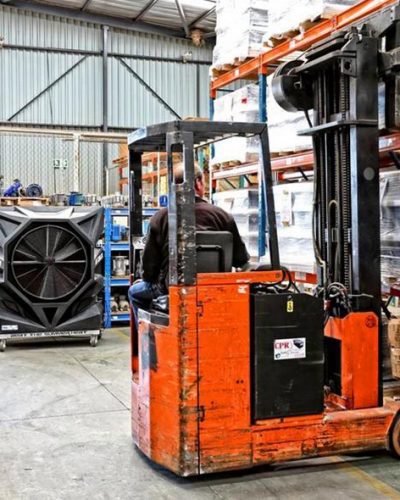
214	251
214	254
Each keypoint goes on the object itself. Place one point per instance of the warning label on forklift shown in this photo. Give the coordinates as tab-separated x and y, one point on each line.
289	348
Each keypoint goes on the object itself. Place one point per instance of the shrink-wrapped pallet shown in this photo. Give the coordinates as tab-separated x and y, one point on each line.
240	27
286	16
390	229
242	204
238	106
283	126
293	207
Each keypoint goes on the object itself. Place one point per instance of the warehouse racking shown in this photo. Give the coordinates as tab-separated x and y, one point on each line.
111	248
257	69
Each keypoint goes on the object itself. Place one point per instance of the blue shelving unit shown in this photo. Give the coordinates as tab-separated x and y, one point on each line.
109	281
119	247
110	247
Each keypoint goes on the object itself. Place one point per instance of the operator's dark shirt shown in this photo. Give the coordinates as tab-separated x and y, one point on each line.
155	257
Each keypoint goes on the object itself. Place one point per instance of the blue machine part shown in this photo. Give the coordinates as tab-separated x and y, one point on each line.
146	224
75	199
34	191
163	200
14	189
118	232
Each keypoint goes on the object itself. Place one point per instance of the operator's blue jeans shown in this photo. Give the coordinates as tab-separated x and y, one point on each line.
140	295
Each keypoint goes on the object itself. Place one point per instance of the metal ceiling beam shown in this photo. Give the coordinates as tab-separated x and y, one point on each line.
183	17
145	9
114	22
86	4
202	16
64	129
84	52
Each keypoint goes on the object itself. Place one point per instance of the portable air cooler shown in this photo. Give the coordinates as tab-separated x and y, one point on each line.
48	279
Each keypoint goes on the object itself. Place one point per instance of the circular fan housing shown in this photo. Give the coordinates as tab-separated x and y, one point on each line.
49	262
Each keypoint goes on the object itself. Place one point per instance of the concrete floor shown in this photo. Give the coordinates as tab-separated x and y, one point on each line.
65	434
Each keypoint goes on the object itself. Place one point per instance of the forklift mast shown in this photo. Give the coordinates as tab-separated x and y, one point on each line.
339	81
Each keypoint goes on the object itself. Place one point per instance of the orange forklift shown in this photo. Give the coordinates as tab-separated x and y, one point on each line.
242	369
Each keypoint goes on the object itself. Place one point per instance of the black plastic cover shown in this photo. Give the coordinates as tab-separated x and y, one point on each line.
288	355
50	283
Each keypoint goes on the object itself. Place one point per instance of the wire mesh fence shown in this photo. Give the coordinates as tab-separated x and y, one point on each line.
60	161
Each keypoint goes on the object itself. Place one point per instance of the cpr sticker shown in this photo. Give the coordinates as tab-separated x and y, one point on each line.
289	349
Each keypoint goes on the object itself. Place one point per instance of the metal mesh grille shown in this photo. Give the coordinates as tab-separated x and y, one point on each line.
49	262
60	163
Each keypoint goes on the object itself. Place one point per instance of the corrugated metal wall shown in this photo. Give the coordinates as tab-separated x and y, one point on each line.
76	99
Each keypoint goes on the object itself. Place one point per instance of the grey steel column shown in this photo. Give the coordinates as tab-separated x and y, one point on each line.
105	107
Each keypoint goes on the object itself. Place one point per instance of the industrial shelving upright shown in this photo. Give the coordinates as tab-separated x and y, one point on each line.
110	248
257	69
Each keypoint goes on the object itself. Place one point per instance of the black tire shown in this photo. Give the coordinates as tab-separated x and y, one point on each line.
394	438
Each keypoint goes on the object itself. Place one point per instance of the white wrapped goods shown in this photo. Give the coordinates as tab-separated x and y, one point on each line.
286	16
283	127
242	204
240	27
239	106
293	207
390	229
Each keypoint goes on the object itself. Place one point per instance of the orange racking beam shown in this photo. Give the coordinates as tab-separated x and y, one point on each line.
300	42
305	159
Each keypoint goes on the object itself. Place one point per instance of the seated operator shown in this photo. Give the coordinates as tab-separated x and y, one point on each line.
155	258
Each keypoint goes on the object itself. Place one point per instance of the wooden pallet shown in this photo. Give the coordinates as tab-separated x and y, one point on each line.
289	152
195	119
391	389
221	70
7	201
250	158
302	27
240	60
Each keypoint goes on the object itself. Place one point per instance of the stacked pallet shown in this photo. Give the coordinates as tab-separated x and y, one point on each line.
390	229
283	127
289	18
240	27
245	28
238	106
8	201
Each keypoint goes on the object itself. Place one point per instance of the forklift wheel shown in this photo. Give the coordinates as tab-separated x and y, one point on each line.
93	340
394	438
